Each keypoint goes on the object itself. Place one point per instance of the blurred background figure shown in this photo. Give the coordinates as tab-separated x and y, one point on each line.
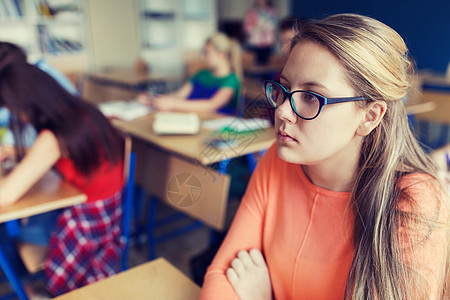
214	88
287	29
260	25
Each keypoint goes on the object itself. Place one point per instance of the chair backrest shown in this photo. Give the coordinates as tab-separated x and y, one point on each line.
127	199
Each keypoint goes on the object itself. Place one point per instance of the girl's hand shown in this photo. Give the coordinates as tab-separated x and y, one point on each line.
249	276
164	103
144	99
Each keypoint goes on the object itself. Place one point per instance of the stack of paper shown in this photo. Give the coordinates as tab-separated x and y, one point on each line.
124	110
176	123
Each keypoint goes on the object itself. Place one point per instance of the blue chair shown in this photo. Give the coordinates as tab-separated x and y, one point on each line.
127	201
10	261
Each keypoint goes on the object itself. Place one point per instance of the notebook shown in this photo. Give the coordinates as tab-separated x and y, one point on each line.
176	123
124	110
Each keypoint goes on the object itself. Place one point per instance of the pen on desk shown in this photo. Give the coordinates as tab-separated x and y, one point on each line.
447	160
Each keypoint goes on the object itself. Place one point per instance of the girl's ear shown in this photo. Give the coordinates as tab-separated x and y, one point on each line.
373	115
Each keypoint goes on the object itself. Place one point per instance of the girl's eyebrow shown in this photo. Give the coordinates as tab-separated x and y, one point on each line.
314	84
309	84
284	78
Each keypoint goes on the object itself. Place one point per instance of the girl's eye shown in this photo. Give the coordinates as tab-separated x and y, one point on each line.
310	97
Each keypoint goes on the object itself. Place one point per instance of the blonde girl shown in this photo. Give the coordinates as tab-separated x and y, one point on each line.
214	89
345	204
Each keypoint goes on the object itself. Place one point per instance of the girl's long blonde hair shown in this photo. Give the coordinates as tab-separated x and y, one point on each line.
375	58
221	42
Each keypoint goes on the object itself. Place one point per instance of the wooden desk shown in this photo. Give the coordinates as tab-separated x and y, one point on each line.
441	114
164	161
420	108
191	147
440	117
49	193
434	82
129	77
157	280
115	84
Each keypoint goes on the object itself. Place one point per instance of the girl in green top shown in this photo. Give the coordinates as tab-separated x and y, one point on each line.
215	89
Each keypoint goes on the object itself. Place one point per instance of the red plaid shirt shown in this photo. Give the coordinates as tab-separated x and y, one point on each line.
85	245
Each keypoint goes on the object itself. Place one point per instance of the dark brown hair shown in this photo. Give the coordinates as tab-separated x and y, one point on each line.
32	96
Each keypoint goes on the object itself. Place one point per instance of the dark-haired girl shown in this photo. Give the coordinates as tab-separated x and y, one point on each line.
80	143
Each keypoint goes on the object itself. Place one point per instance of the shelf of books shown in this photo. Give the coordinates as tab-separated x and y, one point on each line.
169	28
50	29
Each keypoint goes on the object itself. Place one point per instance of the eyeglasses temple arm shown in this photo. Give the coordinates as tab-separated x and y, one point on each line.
343	100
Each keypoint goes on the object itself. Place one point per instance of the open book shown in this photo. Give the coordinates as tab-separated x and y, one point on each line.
176	123
124	110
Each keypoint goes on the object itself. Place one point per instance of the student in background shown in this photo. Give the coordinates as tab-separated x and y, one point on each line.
29	133
346	204
215	89
260	27
80	143
287	28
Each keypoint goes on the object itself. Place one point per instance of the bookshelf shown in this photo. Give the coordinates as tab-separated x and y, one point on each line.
50	29
168	29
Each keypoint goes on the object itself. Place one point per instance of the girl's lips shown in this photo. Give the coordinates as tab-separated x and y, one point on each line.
284	137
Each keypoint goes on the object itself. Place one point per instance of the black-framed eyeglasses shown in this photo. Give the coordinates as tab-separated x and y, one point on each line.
307	105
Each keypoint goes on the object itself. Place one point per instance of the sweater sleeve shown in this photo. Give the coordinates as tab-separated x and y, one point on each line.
245	232
423	233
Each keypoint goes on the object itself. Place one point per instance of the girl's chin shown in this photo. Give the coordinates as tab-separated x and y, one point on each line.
288	154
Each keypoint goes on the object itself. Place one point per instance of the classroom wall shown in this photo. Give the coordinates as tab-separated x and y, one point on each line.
112	26
425	25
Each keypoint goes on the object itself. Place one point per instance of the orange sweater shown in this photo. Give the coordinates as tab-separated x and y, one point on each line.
305	233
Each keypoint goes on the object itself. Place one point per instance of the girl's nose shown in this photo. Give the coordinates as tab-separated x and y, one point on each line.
284	112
